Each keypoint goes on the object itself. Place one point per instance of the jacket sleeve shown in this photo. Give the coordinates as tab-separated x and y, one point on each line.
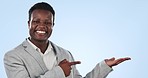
56	72
15	68
100	71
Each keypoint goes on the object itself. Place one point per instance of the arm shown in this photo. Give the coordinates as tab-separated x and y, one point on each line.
103	68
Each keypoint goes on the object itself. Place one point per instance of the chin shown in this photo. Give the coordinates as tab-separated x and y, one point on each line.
41	40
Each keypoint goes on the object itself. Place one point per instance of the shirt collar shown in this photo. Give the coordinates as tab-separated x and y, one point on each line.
49	48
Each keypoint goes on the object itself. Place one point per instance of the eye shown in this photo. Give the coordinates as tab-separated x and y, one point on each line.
36	22
47	23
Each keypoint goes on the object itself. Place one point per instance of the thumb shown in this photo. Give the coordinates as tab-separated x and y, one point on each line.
64	61
113	58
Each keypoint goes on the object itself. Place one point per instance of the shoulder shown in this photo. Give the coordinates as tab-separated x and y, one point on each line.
14	52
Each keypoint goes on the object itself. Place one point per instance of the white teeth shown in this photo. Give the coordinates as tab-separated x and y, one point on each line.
42	32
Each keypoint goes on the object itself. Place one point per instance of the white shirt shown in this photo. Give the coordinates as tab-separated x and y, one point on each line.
49	57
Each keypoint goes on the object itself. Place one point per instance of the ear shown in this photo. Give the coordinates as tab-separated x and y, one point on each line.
29	24
53	24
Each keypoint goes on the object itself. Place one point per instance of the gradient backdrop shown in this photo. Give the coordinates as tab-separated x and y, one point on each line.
92	30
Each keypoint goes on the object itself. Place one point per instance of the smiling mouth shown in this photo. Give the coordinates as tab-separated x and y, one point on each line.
41	32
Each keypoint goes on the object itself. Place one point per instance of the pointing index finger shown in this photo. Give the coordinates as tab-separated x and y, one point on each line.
75	62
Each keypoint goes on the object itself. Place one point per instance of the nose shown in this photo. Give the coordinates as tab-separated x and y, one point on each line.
42	23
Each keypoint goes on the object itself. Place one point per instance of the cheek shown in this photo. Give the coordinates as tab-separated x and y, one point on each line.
50	30
31	27
31	30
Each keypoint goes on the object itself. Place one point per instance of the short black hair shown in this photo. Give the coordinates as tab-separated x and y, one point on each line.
42	6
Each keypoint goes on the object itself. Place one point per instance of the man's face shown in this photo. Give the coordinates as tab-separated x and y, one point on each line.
40	25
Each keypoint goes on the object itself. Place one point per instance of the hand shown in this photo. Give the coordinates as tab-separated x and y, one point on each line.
113	62
66	66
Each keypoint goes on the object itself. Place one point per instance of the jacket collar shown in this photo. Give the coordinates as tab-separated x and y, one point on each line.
28	48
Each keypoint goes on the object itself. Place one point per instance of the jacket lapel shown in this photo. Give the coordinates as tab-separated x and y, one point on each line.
29	49
59	55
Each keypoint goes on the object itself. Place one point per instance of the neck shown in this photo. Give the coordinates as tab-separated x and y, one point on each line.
42	45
